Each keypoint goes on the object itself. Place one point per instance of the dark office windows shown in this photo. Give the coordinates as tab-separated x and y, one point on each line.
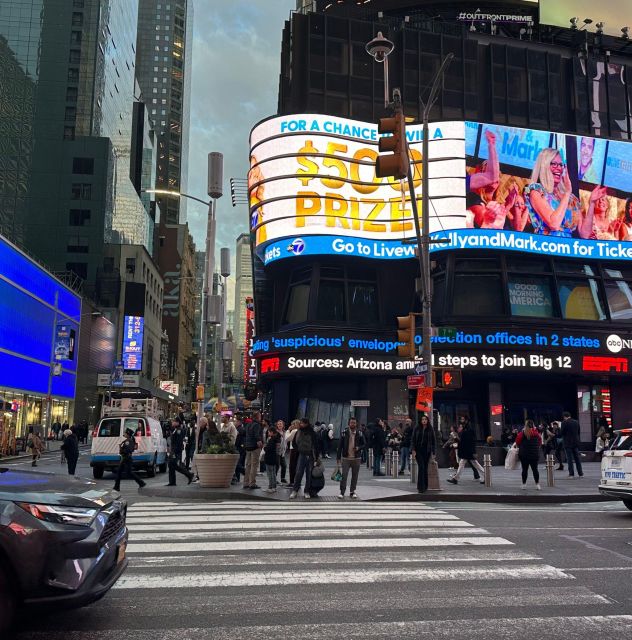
477	295
71	114
80	269
77	19
73	75
363	304
69	132
71	94
331	301
78	244
130	265
298	303
81	191
78	217
75	37
83	166
74	56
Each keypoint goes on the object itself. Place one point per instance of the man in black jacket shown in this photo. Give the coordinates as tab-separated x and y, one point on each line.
176	447
378	443
70	447
126	450
350	449
253	443
405	447
570	437
467	453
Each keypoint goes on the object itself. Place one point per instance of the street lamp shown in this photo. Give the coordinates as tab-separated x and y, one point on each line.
380	49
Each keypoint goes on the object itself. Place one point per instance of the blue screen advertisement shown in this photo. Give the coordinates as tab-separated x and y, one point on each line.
523	190
133	328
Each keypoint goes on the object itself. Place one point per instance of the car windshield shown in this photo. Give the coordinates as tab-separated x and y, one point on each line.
623	442
110	428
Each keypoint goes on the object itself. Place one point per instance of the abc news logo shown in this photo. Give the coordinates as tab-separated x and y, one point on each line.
616	344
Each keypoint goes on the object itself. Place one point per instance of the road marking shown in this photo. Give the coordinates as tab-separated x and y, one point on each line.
316	543
265	578
347	514
270	522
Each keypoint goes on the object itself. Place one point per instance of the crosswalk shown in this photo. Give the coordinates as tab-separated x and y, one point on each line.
231	570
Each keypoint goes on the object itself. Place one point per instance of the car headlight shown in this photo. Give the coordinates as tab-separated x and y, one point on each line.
59	514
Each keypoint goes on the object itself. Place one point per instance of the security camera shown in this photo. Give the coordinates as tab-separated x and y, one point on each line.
380	48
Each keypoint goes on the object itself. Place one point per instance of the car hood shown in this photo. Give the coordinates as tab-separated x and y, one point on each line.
48	488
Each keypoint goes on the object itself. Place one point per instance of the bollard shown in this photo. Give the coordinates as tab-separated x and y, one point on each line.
434	483
487	466
550	468
388	460
413	471
395	464
369	459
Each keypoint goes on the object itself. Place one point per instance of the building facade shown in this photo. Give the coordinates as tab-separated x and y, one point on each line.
243	290
533	313
163	59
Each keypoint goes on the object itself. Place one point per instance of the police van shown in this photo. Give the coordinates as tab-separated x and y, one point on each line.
616	468
139	415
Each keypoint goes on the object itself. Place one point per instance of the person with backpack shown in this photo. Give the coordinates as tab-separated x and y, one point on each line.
126	451
306	442
529	443
253	444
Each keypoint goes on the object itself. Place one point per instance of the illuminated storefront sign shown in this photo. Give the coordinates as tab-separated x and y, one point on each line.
313	191
133	329
250	364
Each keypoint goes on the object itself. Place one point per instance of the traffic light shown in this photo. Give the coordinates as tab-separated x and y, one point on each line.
406	334
396	163
199	392
447	378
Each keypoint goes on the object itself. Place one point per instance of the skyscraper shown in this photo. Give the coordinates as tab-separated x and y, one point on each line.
67	98
163	62
243	289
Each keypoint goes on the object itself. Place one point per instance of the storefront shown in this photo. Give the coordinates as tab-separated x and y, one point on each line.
39	334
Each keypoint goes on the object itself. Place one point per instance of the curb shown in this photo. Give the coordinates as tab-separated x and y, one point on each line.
212	495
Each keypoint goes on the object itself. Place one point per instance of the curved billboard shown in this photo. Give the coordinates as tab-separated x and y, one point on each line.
313	191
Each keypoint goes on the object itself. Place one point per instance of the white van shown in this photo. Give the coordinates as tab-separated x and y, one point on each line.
616	468
150	455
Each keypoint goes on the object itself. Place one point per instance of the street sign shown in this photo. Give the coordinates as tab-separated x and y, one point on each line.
415	382
424	399
360	403
421	368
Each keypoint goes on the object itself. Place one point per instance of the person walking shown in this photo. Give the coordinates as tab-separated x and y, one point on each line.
70	447
253	444
378	444
56	428
467	453
452	444
282	448
289	437
126	451
35	444
570	437
271	457
190	448
306	442
350	447
406	444
529	442
241	450
463	422
174	450
424	445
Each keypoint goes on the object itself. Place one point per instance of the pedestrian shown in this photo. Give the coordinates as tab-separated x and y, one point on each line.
55	428
350	447
529	442
394	439
240	449
467	453
189	450
253	444
175	447
307	447
70	447
282	448
228	427
463	422
378	444
570	436
64	427
452	444
405	446
289	437
271	457
126	451
35	444
558	442
551	442
327	435
424	445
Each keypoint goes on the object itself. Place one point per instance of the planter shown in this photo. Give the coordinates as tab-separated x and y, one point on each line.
216	470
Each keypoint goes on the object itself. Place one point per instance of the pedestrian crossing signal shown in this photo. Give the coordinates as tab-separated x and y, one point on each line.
447	378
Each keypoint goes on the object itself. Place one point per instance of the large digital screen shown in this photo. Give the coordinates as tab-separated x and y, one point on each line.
614	13
313	191
133	329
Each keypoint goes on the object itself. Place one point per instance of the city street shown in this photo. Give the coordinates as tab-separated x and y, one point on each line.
377	570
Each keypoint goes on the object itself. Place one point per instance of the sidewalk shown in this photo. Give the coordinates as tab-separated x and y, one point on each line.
506	487
54	446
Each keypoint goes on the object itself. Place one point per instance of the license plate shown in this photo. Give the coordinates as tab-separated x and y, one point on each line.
614	462
120	556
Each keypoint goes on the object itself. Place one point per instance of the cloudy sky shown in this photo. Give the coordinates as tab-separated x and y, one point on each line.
236	65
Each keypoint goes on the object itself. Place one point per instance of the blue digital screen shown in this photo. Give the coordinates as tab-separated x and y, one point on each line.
133	328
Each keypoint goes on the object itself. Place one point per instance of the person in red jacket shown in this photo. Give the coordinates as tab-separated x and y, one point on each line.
529	443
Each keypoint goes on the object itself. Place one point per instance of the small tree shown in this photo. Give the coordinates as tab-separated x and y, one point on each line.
217	443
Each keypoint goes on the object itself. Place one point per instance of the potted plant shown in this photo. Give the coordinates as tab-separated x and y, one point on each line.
216	461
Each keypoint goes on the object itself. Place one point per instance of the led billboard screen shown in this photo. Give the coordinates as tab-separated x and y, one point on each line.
612	12
133	329
313	191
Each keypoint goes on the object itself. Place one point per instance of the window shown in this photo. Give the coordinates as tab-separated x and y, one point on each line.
80	269
477	294
580	299
363	304
78	244
83	166
110	428
331	301
530	297
77	4
75	37
78	217
137	425
74	57
73	75
77	19
619	296
130	265
71	94
69	133
70	114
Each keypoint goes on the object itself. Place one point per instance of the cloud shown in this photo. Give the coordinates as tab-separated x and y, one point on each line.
235	81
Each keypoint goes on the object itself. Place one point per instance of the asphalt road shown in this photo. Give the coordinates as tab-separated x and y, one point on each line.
312	570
